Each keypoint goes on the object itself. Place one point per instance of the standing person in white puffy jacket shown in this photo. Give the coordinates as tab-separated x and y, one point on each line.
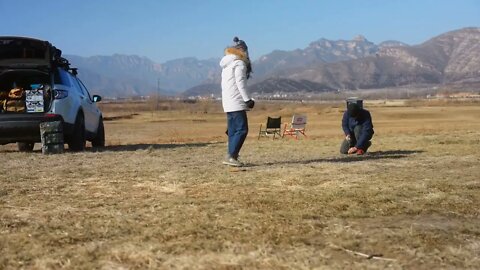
235	100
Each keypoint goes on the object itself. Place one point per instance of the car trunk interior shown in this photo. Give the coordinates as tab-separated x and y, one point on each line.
25	91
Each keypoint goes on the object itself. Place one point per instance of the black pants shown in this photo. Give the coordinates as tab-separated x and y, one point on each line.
353	141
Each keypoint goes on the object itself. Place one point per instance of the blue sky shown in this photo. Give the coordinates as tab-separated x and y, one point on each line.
168	29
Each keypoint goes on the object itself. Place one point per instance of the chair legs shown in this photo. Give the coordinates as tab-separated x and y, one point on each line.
265	132
294	133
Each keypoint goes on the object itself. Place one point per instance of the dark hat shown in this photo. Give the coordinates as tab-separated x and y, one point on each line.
240	44
353	109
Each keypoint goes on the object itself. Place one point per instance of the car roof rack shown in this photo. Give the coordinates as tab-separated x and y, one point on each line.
63	63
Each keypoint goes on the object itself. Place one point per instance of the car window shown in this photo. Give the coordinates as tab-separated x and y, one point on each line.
78	86
61	77
84	88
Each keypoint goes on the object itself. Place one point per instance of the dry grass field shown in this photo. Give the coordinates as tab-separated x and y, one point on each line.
158	196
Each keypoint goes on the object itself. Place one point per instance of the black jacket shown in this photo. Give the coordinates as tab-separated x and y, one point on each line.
365	119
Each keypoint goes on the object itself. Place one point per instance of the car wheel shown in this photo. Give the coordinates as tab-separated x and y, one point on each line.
25	146
77	140
99	140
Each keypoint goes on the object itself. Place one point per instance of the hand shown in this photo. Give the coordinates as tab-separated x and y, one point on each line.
250	103
347	137
352	150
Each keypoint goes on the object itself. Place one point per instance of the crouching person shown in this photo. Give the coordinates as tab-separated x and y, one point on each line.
358	128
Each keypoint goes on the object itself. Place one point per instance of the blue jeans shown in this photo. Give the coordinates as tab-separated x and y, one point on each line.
237	125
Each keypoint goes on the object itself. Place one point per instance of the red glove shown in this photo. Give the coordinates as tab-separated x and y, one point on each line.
360	152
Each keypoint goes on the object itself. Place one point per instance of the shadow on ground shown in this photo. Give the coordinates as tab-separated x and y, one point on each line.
136	147
391	154
126	148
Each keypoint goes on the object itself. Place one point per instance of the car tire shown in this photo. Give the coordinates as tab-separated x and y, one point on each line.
77	140
99	140
25	146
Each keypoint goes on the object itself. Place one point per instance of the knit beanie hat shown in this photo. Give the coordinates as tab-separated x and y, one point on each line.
240	44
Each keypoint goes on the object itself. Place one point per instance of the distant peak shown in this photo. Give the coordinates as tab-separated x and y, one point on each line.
359	38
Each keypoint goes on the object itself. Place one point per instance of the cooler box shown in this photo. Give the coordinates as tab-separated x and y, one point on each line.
34	100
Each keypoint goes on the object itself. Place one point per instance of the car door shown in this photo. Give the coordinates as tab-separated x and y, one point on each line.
90	110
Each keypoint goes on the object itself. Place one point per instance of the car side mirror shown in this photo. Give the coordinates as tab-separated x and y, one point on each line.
97	98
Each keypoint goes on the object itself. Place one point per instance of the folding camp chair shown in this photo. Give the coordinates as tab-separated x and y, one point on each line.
296	127
273	127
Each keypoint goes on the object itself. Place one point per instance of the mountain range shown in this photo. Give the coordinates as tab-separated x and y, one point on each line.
324	65
131	75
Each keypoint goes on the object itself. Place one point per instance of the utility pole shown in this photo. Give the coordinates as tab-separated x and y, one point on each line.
158	92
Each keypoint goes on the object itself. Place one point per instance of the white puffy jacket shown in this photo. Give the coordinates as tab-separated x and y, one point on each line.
234	82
